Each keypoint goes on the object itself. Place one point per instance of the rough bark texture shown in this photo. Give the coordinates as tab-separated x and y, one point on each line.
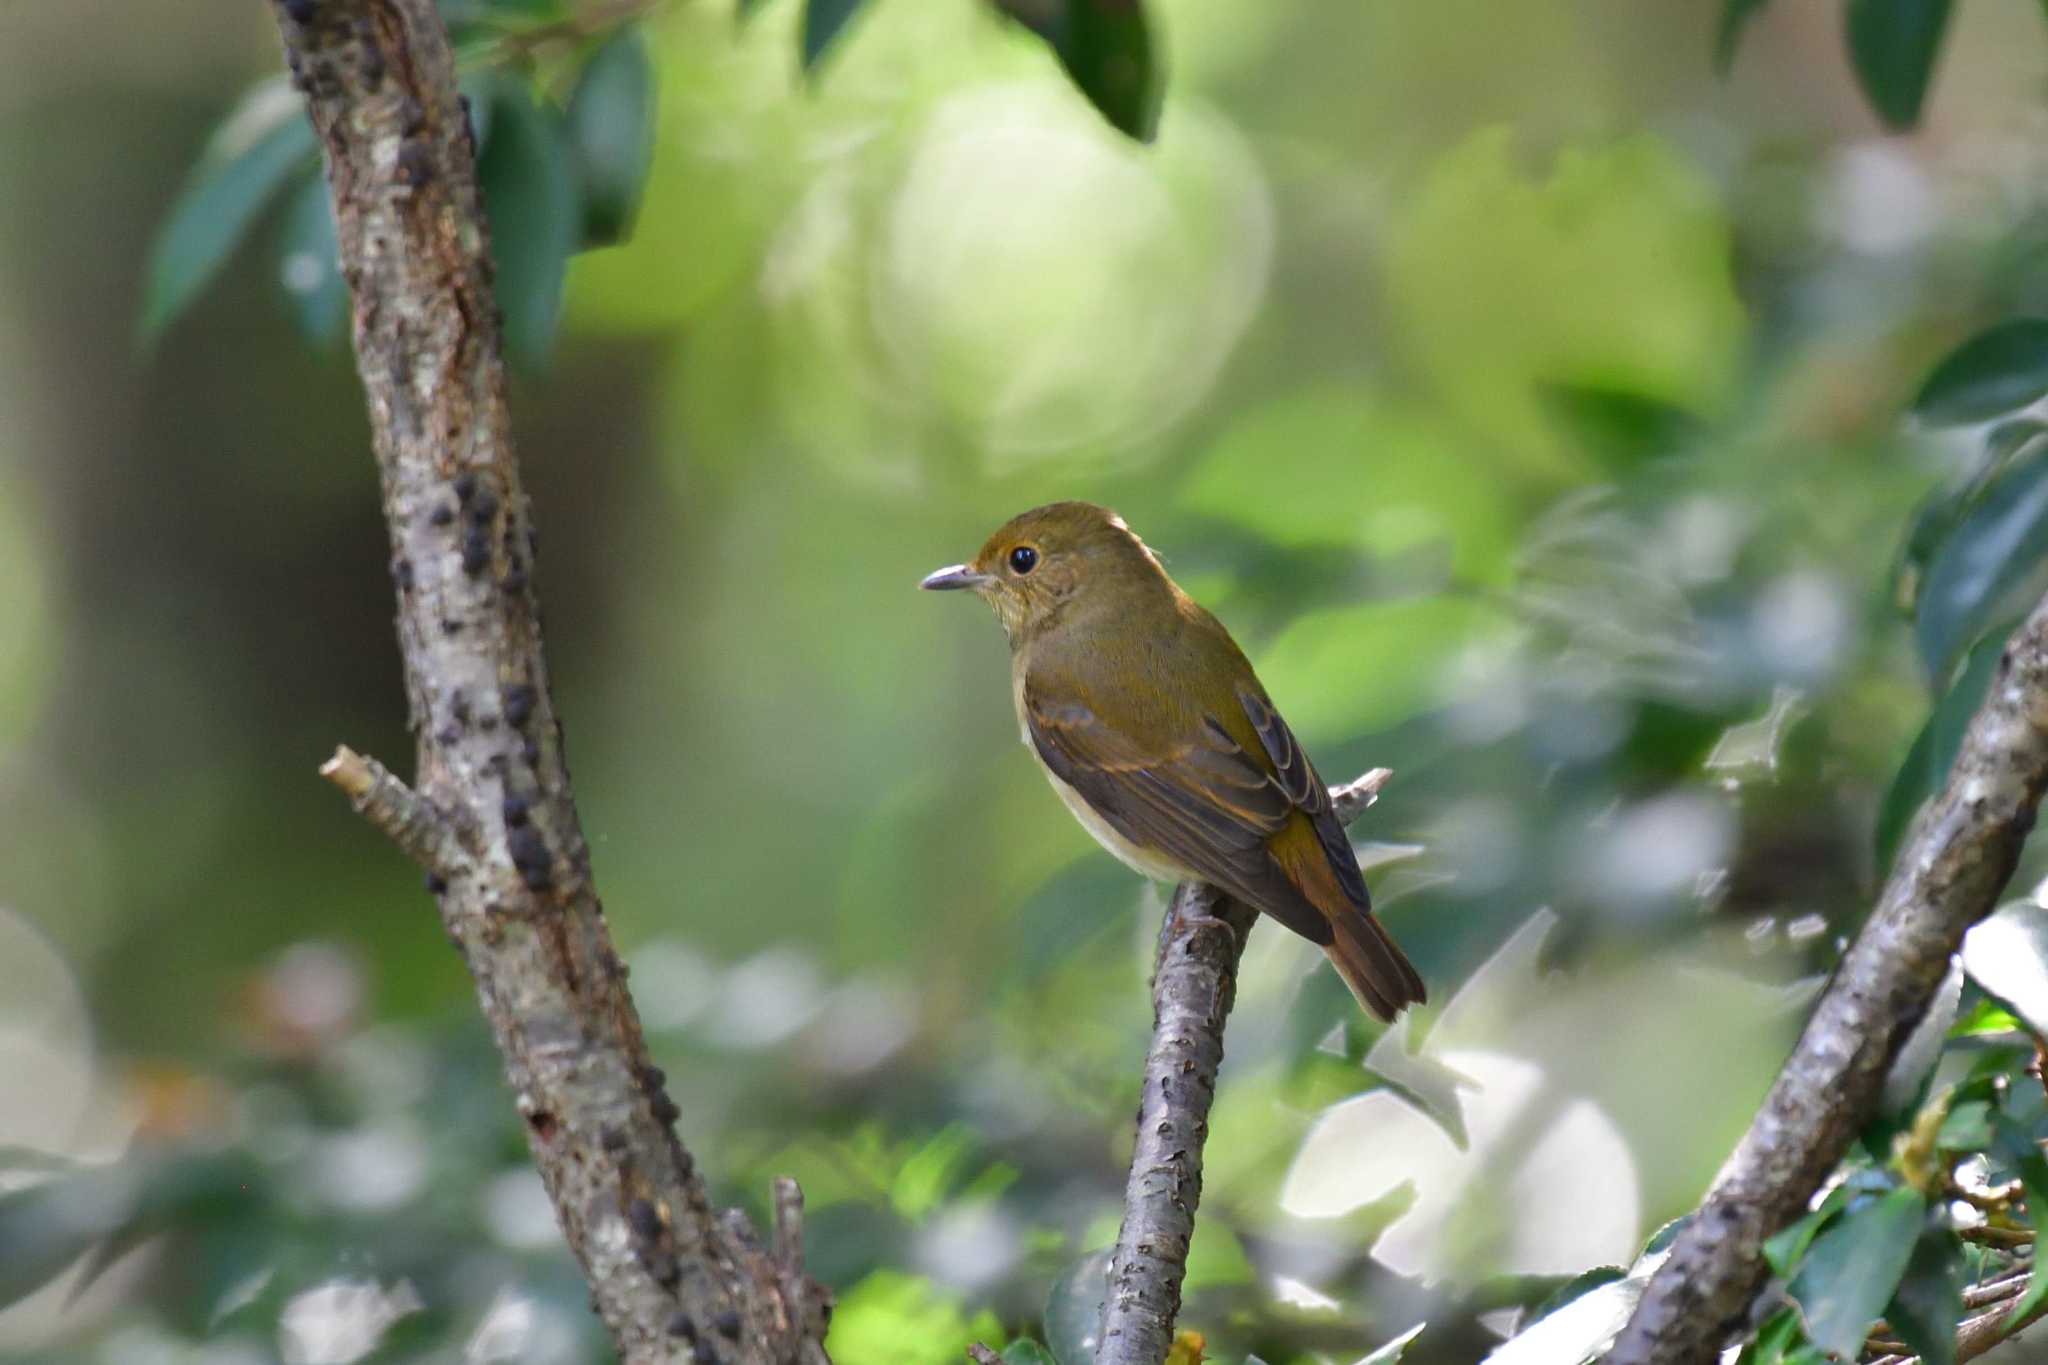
1193	987
493	818
1949	872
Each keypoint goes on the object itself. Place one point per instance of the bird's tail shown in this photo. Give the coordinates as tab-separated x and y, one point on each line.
1372	965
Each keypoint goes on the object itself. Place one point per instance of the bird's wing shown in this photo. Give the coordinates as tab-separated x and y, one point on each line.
1297	778
1206	803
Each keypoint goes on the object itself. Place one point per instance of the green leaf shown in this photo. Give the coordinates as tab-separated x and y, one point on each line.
1994	550
2007	954
1781	1342
531	199
1928	1303
309	264
1391	1353
1940	512
1926	764
1621	427
1985	1016
2016	1147
1106	47
1966	1127
823	20
251	156
1579	1284
1735	16
1999	370
1022	1352
1073	1310
1784	1248
1851	1269
610	122
1893	44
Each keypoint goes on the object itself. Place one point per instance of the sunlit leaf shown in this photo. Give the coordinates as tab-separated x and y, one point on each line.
610	122
823	19
2007	954
1073	1310
1893	45
530	197
1582	1283
1985	1016
1928	1304
1735	16
1999	370
309	266
1926	764
1852	1269
252	156
1391	1353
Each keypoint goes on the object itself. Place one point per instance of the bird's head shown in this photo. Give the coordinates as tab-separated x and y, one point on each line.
1040	563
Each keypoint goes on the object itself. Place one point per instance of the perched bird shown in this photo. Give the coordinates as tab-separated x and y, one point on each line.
1153	729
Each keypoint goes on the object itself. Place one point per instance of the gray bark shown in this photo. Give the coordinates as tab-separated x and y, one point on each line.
1949	872
493	818
1193	987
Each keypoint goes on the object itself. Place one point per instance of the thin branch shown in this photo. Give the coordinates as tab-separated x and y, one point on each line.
1948	873
1193	987
982	1355
491	813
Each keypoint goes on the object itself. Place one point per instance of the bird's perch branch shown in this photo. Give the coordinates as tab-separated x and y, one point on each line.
491	815
1948	873
1193	987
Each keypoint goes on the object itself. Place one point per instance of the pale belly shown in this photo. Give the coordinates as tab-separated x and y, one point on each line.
1154	865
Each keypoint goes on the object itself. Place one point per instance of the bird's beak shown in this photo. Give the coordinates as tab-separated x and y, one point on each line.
954	576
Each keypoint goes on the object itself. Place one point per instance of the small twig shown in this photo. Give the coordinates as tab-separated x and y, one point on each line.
1193	987
1997	1237
982	1355
1979	1334
421	832
1997	1291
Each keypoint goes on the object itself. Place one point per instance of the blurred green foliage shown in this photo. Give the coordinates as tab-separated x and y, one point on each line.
1539	411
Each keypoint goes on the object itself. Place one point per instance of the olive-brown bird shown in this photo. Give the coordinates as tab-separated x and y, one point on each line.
1152	727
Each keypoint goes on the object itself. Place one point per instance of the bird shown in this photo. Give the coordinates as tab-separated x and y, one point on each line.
1157	735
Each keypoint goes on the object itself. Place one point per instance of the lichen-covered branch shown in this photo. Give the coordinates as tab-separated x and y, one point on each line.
1950	870
491	814
1193	986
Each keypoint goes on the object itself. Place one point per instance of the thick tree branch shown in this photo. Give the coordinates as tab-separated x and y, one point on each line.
1949	872
493	818
1193	987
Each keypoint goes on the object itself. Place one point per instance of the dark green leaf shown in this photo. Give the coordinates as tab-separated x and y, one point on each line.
1106	48
1579	1284
1995	550
309	265
1941	511
1999	370
1781	1342
1785	1247
823	19
2016	1147
1022	1352
1928	1303
611	134
1073	1310
1619	426
214	212
1663	1237
1735	16
1852	1268
747	9
1893	44
531	200
1927	763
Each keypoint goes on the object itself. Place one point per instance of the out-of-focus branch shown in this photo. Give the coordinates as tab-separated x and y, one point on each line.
1193	986
492	816
1949	872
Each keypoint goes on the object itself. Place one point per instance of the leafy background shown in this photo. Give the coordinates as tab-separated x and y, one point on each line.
1636	460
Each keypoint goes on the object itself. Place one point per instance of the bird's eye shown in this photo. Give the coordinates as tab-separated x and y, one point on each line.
1023	559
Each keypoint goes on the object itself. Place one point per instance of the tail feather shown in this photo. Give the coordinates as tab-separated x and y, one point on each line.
1375	969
